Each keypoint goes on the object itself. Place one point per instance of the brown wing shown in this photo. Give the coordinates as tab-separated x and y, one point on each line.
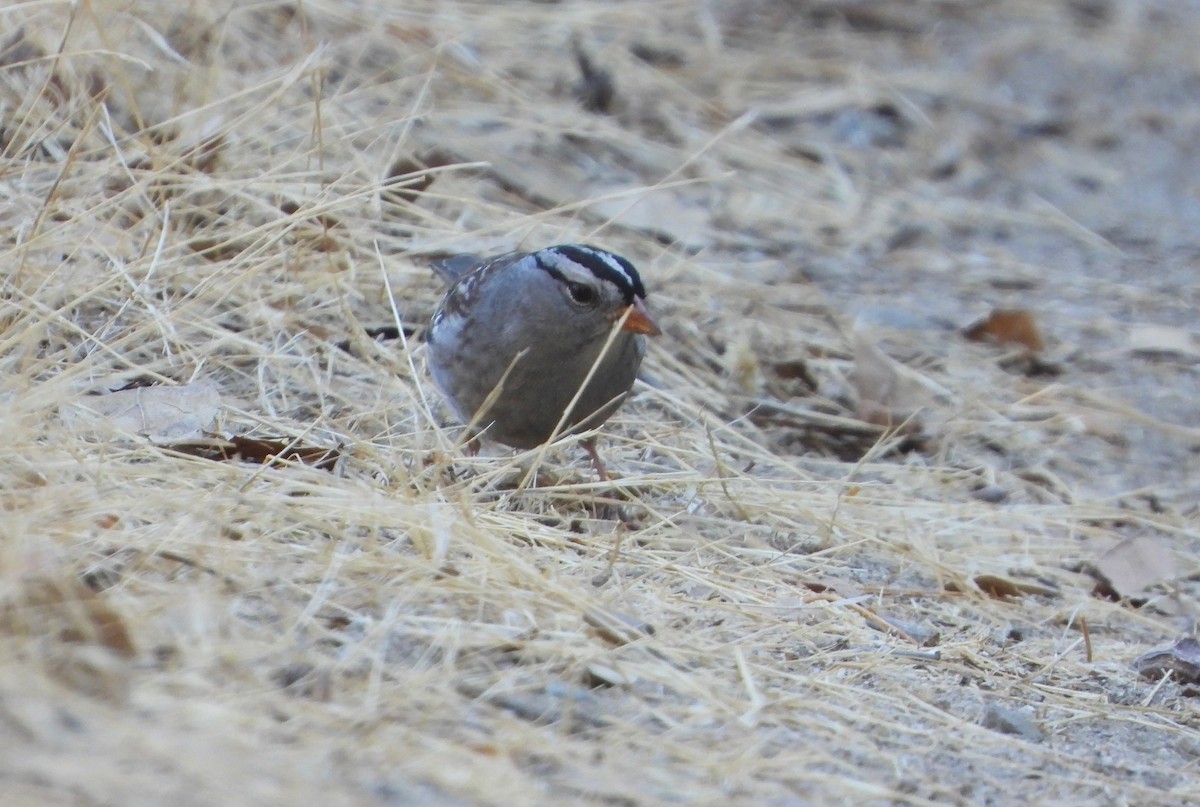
465	273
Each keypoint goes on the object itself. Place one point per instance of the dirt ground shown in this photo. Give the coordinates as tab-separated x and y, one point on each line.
904	504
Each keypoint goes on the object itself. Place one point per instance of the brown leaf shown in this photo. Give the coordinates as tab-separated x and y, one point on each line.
822	585
1007	326
1001	588
219	249
1181	660
796	370
258	451
205	155
67	610
408	177
615	627
325	221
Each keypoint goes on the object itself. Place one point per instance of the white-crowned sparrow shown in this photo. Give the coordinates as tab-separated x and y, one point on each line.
517	334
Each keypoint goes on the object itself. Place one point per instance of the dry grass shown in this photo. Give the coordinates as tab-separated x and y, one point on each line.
801	612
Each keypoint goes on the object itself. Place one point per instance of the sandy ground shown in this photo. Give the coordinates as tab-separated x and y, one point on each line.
855	553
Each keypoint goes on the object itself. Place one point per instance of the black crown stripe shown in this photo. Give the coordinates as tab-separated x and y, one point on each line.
593	259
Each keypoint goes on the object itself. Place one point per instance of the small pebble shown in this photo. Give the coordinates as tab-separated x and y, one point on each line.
1011	721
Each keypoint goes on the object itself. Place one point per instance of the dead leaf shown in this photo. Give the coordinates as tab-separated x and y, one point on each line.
409	177
19	51
796	370
1135	564
615	627
219	249
205	154
742	362
159	413
1108	426
655	54
992	494
595	89
1163	340
1181	660
889	394
920	634
1007	326
822	585
1011	721
83	642
258	451
1002	588
66	610
597	675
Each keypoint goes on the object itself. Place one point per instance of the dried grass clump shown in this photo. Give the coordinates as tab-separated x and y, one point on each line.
848	557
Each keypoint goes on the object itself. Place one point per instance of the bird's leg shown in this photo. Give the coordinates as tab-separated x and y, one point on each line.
589	445
622	514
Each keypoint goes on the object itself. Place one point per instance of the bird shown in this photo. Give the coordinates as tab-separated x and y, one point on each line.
534	345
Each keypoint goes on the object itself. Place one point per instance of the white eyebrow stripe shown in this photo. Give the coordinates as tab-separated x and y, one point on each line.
603	265
607	257
611	260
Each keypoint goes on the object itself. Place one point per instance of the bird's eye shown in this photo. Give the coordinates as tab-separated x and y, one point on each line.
582	293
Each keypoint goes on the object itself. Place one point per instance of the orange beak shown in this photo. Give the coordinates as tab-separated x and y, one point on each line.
636	319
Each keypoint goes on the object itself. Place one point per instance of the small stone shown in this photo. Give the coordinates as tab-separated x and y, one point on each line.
1011	721
992	494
